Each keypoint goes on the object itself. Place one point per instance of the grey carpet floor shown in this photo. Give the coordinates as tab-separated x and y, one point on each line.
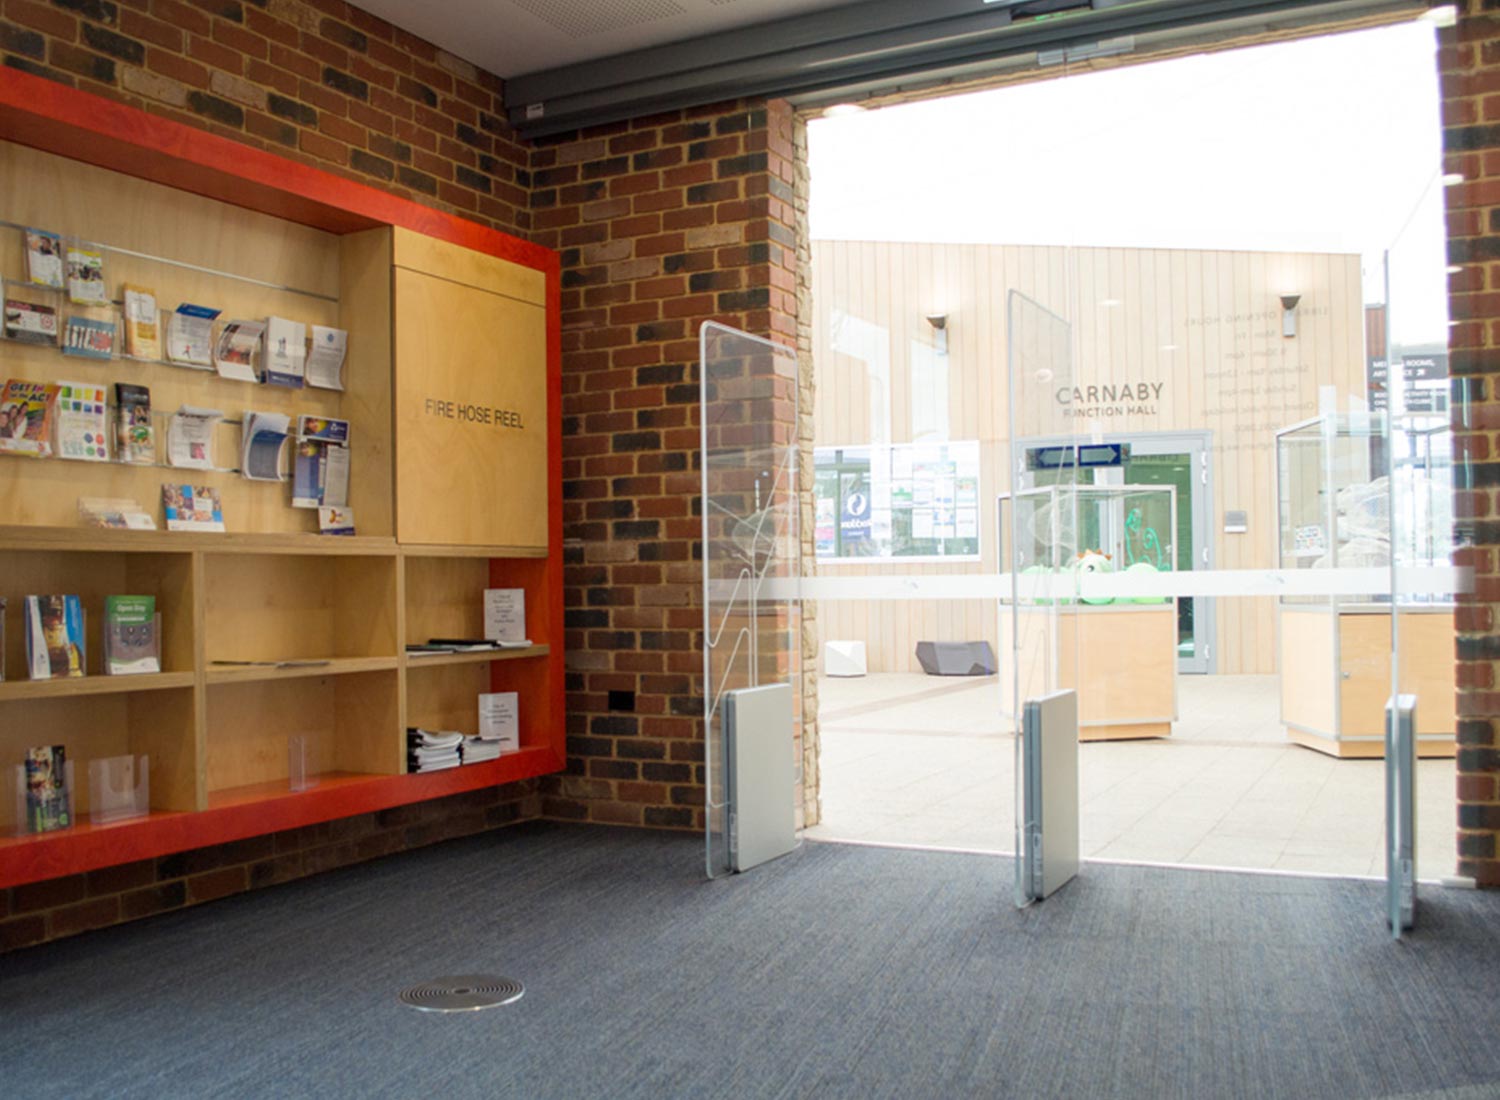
836	971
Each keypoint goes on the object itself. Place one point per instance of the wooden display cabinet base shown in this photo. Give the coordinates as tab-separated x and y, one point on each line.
1134	731
1428	748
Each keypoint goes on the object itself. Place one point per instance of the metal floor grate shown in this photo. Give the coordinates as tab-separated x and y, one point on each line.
462	993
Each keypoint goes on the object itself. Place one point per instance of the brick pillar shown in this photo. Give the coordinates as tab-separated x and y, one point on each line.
1469	66
662	222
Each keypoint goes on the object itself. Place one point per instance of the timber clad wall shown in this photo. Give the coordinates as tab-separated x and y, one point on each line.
314	80
1204	326
1469	63
663	223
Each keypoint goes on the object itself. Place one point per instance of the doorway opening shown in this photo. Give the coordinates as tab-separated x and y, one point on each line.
1256	336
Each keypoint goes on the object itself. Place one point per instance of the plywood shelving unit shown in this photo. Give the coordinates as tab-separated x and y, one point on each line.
444	510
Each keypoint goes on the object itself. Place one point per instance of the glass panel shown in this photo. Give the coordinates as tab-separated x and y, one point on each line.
751	545
1420	780
1039	531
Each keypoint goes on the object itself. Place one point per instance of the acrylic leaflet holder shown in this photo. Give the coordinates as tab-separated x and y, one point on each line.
132	649
119	788
23	821
299	765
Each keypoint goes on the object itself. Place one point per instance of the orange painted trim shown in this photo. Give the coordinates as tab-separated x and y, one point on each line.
87	847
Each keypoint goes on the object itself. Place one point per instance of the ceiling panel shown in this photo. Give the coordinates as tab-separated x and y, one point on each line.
511	37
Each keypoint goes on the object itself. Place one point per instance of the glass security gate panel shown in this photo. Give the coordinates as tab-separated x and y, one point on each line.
751	552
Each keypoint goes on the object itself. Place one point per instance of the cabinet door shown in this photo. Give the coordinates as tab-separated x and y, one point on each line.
471	415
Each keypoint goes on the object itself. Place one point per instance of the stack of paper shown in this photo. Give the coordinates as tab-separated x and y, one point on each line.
478	749
429	751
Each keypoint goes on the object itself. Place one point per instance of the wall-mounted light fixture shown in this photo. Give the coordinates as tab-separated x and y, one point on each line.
939	323
1289	314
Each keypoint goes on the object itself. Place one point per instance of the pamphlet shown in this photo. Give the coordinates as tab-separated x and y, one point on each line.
89	338
286	352
47	789
261	438
239	343
26	410
116	512
142	323
86	277
192	508
130	643
135	436
325	362
44	253
500	719
54	636
30	323
82	421
336	521
190	336
190	437
320	470
505	615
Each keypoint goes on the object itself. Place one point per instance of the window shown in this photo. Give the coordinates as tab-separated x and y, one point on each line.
906	500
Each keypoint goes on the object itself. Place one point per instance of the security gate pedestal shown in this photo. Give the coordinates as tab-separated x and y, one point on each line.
1049	759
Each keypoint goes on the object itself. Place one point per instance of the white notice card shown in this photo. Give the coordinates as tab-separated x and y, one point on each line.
505	615
500	719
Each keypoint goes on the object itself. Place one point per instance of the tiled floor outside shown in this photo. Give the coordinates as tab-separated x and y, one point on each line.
913	759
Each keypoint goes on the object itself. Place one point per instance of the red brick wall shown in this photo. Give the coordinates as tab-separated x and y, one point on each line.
65	906
315	80
662	223
1469	62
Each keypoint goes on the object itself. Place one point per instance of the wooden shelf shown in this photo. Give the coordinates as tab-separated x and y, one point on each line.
477	658
67	687
156	542
334	666
421	550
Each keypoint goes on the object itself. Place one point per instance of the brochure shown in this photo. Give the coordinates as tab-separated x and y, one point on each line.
239	344
286	352
190	336
89	338
44	258
500	719
86	277
47	789
336	521
262	435
190	437
142	323
130	643
135	435
505	615
26	410
82	421
192	508
320	470
30	323
116	512
325	362
54	636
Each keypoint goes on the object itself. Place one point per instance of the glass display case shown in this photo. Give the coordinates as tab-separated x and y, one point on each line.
1341	480
1084	612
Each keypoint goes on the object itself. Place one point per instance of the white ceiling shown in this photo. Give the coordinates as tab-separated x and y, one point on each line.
512	37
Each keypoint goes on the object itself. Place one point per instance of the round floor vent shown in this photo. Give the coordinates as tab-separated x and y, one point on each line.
462	993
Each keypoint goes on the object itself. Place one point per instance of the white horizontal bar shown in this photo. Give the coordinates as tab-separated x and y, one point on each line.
1428	581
